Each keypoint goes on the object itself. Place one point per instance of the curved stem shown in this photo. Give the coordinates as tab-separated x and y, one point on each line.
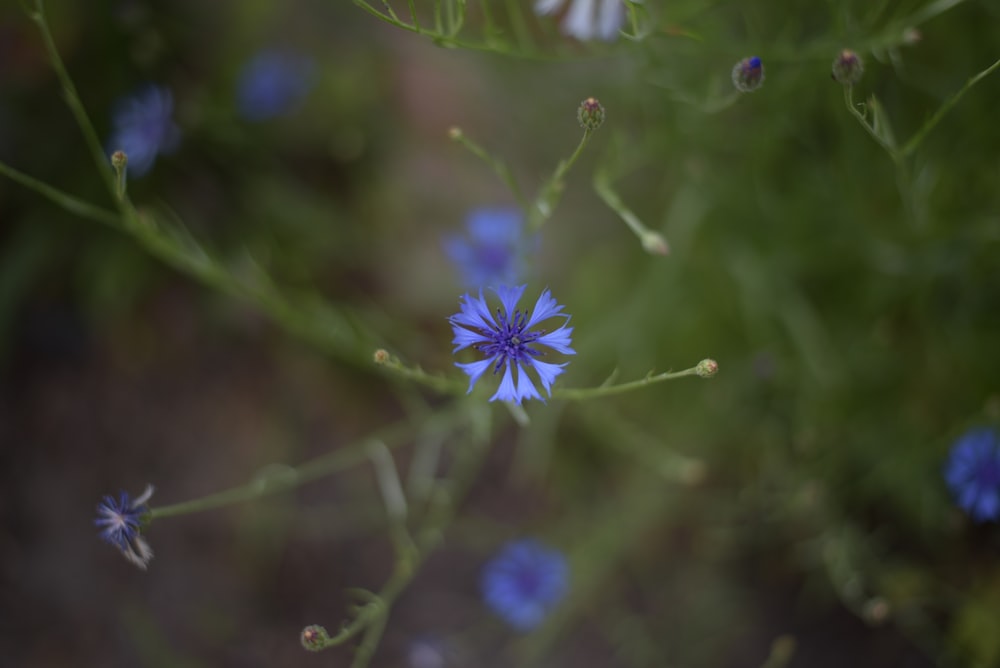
578	394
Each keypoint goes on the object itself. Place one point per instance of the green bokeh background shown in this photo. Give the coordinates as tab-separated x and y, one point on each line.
789	511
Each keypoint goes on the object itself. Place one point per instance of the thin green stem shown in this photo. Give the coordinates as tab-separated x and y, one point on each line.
285	478
551	191
653	242
418	375
499	167
579	394
68	202
919	136
73	101
863	120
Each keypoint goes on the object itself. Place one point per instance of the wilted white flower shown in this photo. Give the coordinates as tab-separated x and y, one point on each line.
588	19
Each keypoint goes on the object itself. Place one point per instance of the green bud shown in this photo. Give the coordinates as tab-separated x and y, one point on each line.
590	114
119	160
847	68
381	356
314	638
707	368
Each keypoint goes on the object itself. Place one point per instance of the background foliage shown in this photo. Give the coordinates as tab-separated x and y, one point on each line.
789	512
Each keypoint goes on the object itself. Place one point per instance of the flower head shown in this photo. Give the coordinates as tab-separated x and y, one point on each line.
494	249
748	74
143	127
120	521
973	473
272	83
524	582
509	340
847	68
587	19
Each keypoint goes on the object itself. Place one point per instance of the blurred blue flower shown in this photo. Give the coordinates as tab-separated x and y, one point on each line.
143	128
493	251
524	582
588	19
121	520
973	473
273	83
508	340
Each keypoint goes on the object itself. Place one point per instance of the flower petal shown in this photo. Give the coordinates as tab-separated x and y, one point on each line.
559	340
506	391
475	370
547	373
525	388
509	296
546	307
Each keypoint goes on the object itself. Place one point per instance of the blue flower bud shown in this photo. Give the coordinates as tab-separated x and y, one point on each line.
748	74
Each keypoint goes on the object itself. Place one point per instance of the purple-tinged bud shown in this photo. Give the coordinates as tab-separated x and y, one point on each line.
381	356
748	74
707	368
590	114
314	638
847	68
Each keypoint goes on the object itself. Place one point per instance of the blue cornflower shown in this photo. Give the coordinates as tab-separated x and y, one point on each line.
524	582
973	473
273	83
120	521
509	340
493	252
143	128
586	19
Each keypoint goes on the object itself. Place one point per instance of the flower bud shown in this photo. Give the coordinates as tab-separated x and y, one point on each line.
381	356
454	133
748	74
119	160
707	368
590	114
314	638
847	68
655	244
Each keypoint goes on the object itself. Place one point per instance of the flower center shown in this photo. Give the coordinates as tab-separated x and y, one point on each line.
510	340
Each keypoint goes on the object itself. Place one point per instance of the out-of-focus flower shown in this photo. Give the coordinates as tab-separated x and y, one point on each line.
847	68
748	74
508	341
493	251
524	582
121	521
144	128
273	83
588	19
973	473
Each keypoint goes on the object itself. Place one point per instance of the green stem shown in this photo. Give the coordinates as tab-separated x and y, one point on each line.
73	101
498	165
849	102
578	394
551	192
919	136
418	375
68	202
285	479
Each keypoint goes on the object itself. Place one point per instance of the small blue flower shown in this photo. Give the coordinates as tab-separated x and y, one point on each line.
588	19
120	521
509	341
143	128
973	473
524	582
494	250
273	83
